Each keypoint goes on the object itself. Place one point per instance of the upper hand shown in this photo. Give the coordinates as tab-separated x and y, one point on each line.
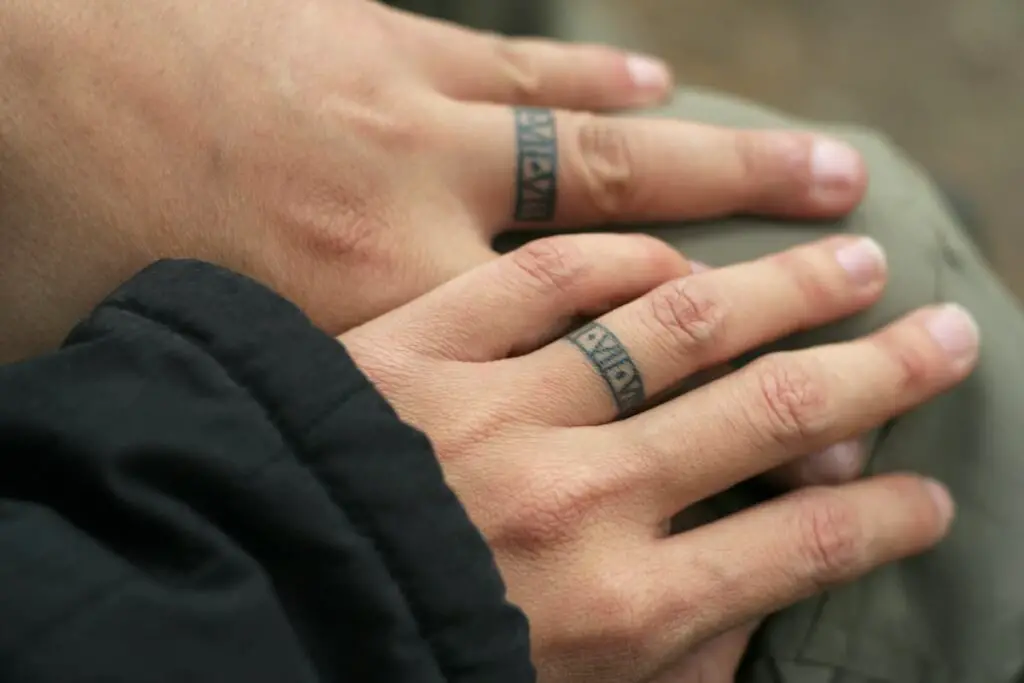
339	150
574	500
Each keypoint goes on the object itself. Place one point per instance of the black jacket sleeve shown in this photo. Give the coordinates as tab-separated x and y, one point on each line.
201	486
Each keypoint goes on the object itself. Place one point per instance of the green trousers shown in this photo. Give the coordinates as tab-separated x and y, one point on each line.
955	615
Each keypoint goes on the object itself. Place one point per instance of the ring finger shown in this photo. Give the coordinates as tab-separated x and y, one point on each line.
538	167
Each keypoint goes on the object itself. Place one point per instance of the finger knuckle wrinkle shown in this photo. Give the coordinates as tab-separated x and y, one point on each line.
688	311
803	269
832	539
750	156
604	153
793	399
913	366
771	160
551	265
518	68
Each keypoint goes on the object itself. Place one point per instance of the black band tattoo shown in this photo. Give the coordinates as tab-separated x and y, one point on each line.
537	165
611	360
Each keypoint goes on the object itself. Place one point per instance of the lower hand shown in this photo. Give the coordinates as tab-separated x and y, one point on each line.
574	500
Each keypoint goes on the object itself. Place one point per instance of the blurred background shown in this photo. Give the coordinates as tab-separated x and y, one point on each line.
943	78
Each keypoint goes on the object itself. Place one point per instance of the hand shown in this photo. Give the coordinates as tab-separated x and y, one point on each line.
574	500
349	155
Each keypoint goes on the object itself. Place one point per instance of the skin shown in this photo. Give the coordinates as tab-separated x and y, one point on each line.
349	155
353	158
575	501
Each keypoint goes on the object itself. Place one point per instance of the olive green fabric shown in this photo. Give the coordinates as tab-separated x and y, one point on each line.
955	615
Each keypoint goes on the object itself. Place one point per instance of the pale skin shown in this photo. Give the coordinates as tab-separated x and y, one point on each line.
575	502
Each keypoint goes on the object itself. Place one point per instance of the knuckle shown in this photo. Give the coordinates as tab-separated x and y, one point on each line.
913	365
518	69
688	311
603	153
382	117
399	136
802	267
831	537
769	161
552	265
623	613
332	226
793	399
544	513
752	157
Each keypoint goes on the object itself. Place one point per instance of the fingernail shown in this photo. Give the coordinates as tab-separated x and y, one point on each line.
834	164
836	464
863	260
648	73
954	329
943	500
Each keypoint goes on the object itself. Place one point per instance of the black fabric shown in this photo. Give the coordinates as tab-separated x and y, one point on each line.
201	486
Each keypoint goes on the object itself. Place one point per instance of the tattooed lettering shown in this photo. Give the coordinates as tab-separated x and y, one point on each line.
537	170
611	360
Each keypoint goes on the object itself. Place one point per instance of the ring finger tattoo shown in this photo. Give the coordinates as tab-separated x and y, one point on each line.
613	363
537	165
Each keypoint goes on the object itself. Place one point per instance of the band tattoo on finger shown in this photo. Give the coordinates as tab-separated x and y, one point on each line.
537	164
613	362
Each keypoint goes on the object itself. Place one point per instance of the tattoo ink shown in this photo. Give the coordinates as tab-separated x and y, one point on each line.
537	164
611	360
